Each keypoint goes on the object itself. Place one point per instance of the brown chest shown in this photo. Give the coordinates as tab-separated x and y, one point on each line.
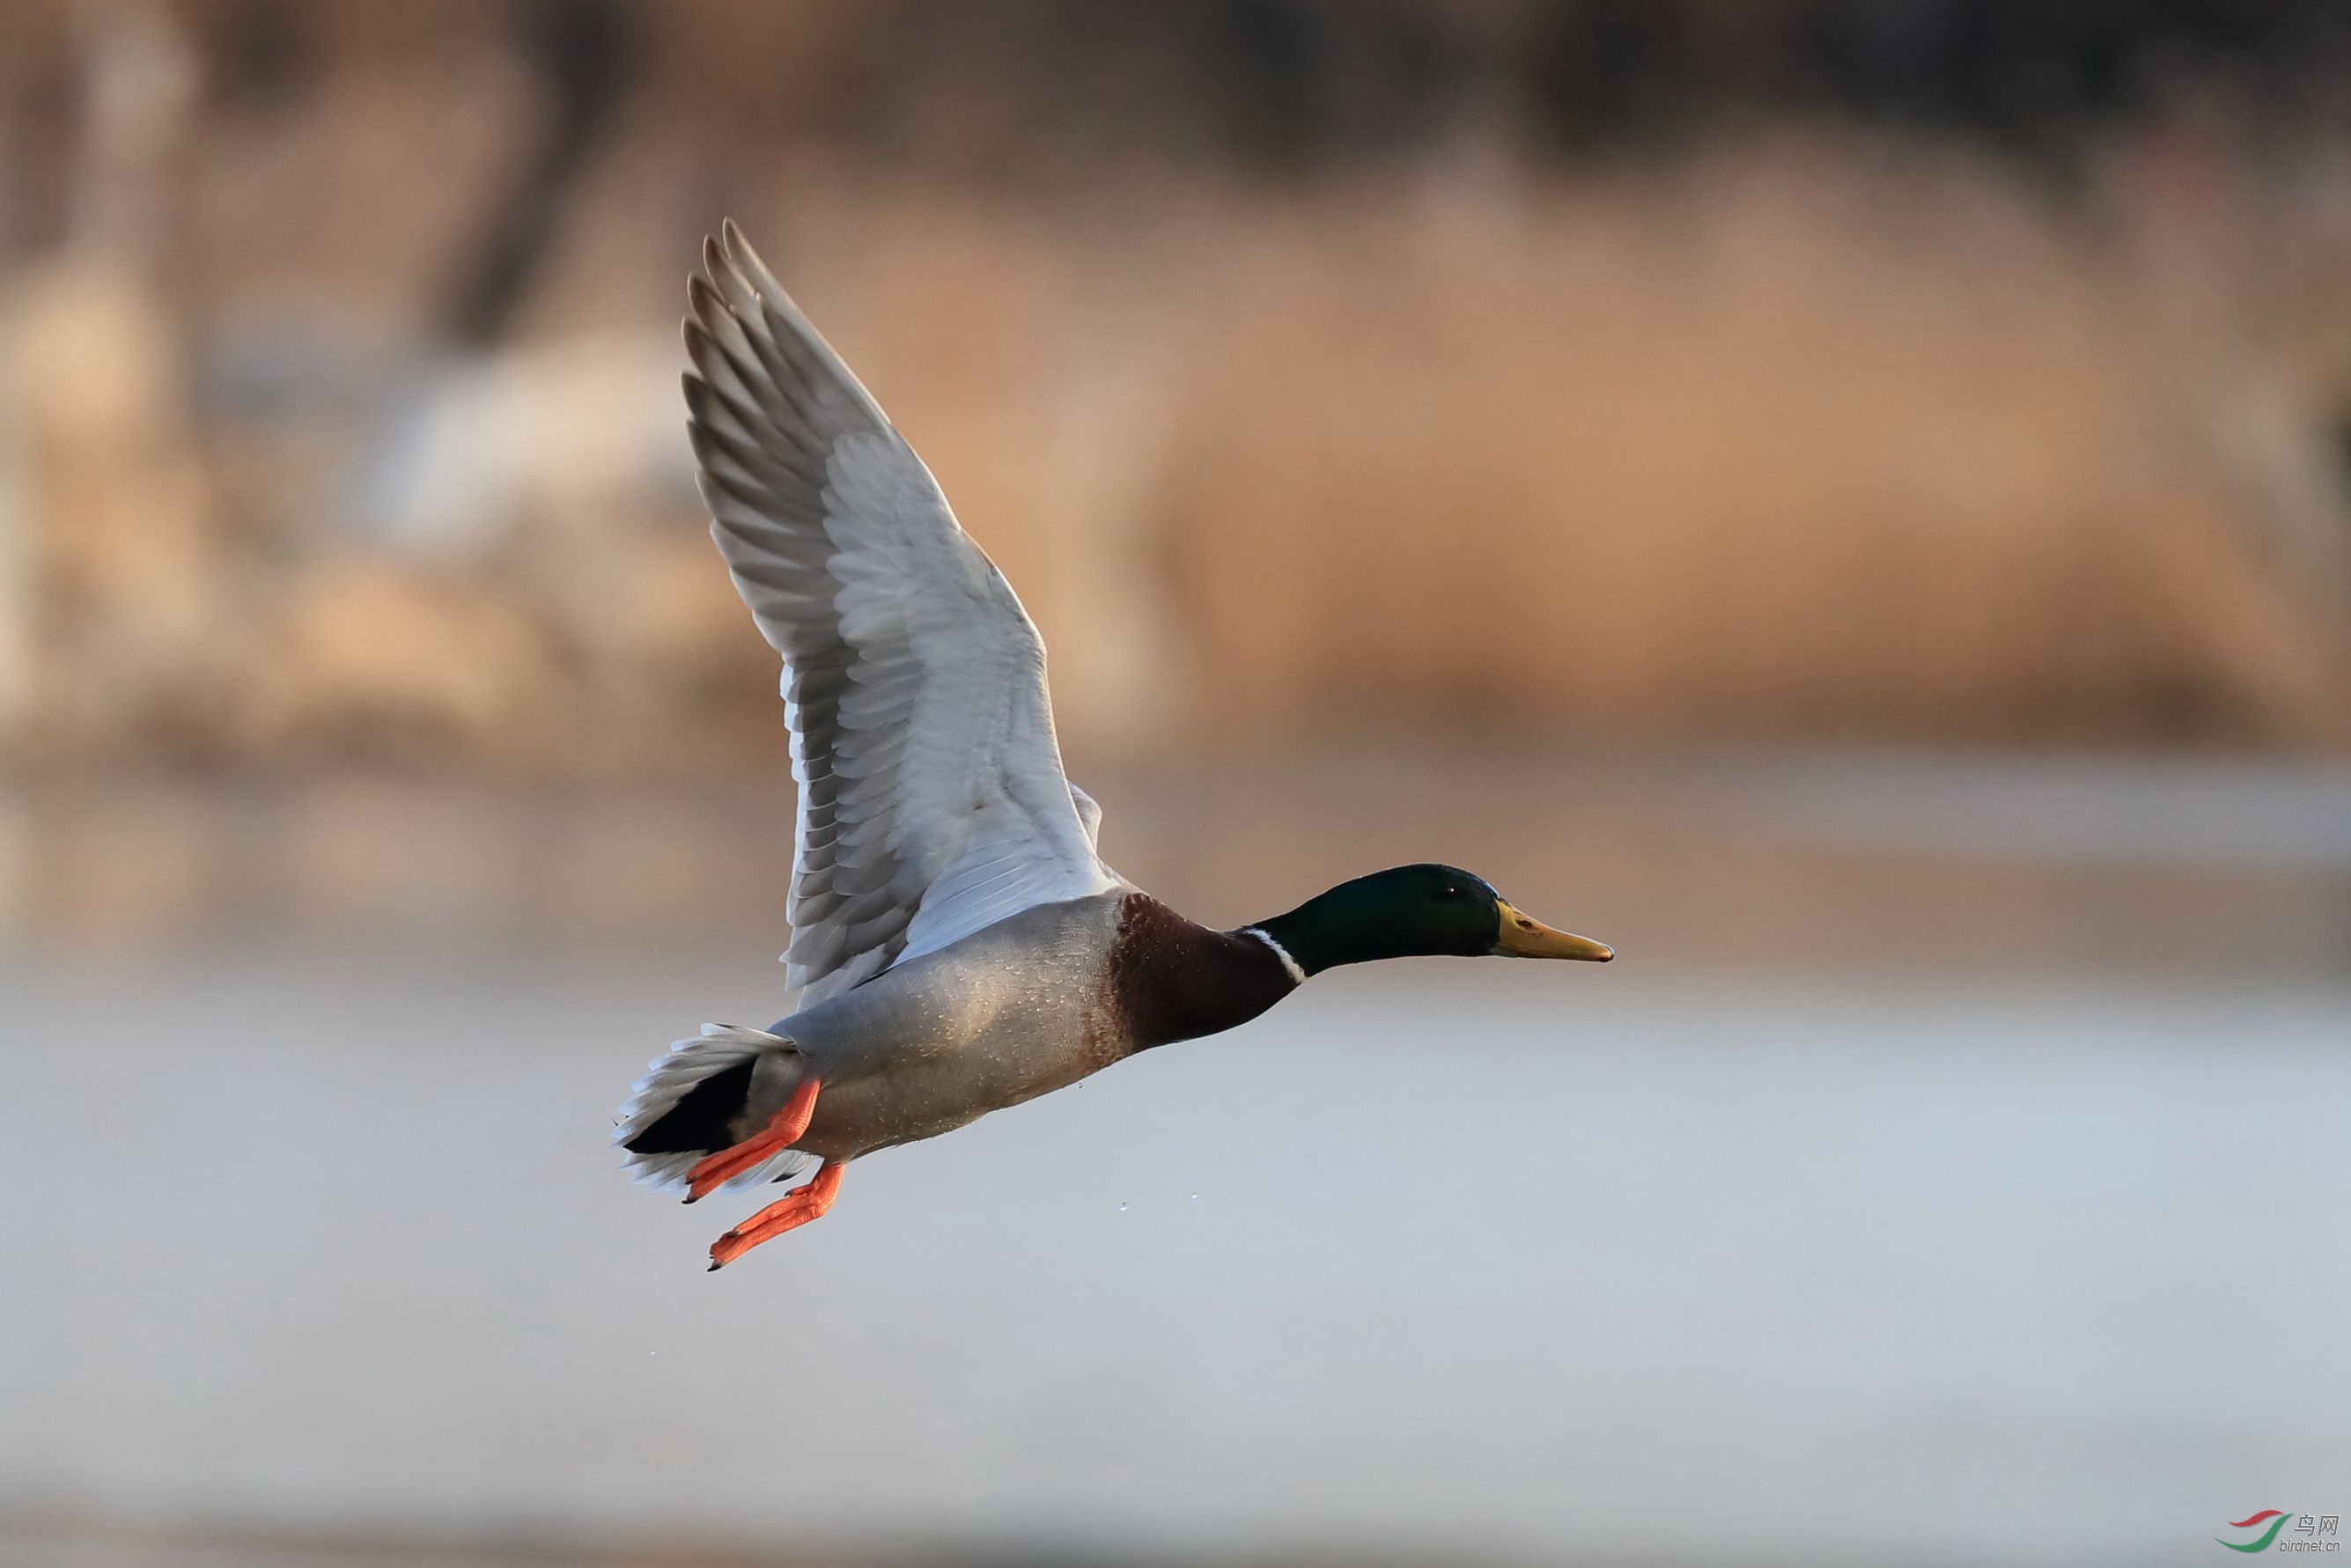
1171	978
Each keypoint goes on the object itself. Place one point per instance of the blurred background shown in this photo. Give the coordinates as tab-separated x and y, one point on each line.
1847	500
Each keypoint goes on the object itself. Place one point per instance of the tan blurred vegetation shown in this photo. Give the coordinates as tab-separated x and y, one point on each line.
1794	428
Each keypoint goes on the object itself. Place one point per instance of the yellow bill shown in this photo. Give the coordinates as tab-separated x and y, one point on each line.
1523	936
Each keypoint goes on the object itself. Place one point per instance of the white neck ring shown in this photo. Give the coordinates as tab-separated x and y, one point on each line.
1297	975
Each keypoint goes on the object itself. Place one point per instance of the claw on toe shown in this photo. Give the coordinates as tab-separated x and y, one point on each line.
794	1209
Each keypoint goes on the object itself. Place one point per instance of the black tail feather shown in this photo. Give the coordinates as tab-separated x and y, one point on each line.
703	1120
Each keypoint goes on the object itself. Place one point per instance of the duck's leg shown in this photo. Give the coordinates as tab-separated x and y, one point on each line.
797	1208
782	1131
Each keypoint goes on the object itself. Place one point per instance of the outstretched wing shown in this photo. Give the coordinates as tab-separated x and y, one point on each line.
931	800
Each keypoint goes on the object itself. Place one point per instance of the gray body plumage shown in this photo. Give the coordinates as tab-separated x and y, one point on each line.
1013	1011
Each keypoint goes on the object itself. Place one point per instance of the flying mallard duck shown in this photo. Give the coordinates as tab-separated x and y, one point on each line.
958	944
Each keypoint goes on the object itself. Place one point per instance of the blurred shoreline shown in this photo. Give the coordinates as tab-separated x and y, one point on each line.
1737	860
63	1539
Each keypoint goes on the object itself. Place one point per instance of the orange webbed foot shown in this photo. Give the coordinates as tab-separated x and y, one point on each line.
795	1208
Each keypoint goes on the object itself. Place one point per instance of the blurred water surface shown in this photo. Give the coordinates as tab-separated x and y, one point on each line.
1950	1170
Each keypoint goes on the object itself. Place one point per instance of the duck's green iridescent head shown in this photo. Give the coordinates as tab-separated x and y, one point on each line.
1416	910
